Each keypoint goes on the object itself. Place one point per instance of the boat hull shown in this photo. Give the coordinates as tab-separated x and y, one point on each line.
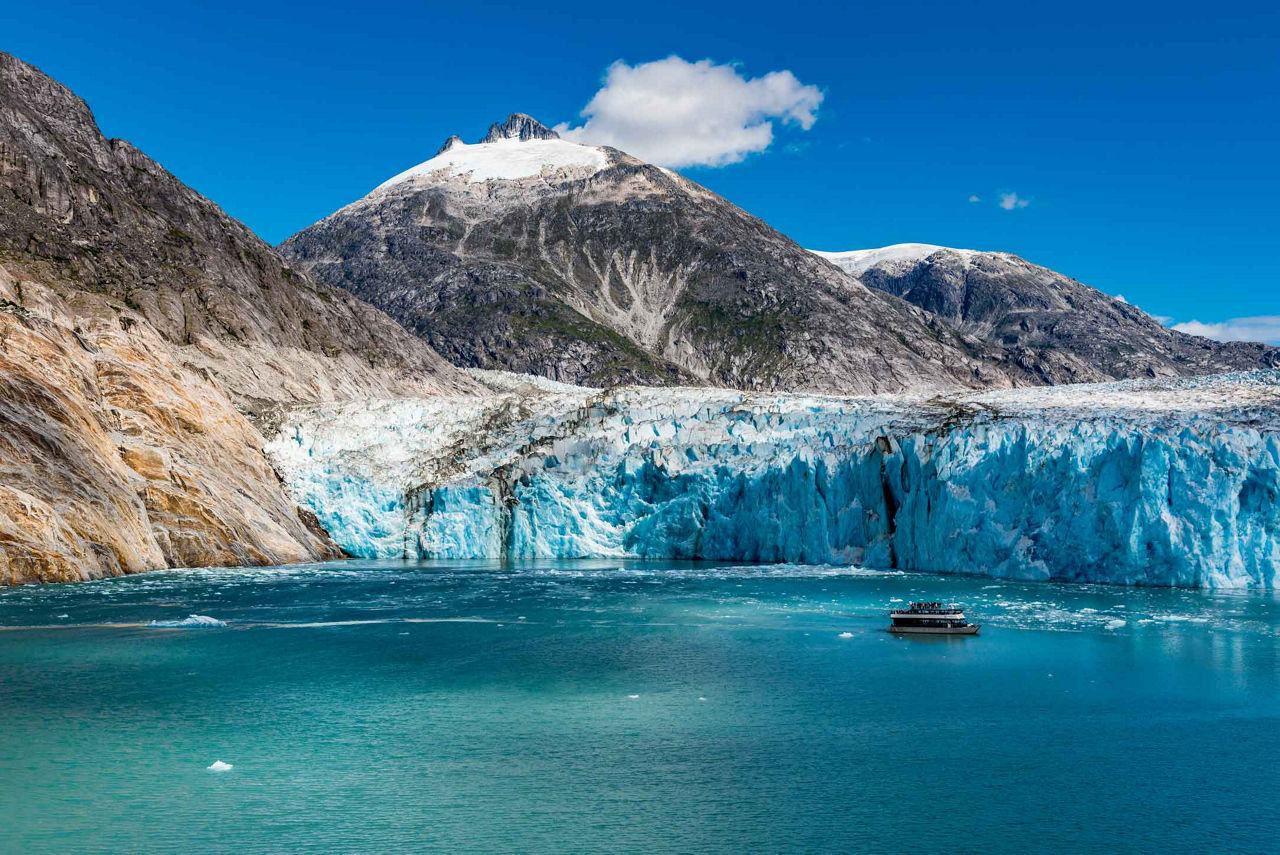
970	629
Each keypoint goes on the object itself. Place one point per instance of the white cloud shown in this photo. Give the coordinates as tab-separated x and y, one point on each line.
1009	201
1164	320
1264	328
678	113
1121	298
975	198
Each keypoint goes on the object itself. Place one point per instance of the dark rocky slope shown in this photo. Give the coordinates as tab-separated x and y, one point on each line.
1042	326
583	264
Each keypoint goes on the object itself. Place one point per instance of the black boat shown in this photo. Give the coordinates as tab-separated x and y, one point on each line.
931	619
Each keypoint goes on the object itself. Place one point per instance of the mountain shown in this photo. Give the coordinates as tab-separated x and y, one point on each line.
529	253
146	338
1039	324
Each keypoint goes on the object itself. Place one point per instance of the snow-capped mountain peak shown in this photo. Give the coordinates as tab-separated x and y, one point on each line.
1037	321
520	147
856	261
519	126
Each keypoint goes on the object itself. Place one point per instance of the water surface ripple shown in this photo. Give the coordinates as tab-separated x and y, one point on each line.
632	706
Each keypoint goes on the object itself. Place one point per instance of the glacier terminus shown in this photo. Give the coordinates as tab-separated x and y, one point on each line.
1152	482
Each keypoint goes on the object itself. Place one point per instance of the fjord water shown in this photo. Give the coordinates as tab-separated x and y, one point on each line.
659	707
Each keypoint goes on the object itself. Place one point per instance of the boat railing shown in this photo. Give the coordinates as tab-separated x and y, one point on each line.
918	611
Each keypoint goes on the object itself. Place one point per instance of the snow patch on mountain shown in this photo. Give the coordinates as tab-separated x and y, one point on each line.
856	261
504	160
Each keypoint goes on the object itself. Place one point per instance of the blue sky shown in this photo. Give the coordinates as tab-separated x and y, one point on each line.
1143	138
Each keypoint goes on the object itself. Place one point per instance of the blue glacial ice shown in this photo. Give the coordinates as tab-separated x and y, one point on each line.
1168	482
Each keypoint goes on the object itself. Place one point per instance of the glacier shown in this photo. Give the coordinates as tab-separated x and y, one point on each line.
1156	482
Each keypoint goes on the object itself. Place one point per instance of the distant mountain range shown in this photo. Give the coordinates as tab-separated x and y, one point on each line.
1039	325
583	264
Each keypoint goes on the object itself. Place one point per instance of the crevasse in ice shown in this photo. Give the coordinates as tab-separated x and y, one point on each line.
1145	482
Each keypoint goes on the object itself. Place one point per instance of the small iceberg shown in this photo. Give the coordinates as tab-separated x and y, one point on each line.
1116	623
189	621
845	635
219	766
1180	619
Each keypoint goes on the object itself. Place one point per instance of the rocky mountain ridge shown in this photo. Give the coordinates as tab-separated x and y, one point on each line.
584	264
146	337
519	126
1040	324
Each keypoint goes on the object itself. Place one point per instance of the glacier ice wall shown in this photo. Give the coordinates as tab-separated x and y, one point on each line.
1151	482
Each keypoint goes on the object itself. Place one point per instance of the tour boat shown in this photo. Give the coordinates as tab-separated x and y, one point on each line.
931	619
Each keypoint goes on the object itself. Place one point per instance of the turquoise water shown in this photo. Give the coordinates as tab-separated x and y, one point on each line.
576	707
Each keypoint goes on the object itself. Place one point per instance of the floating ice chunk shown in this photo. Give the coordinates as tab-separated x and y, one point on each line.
701	699
1088	611
189	621
633	697
63	616
219	766
1116	623
845	635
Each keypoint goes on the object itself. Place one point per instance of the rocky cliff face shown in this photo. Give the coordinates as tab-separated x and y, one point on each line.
518	126
145	338
532	254
115	457
1038	324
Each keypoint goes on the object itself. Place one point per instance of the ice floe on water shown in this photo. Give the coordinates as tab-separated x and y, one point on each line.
190	621
827	599
219	766
1085	608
